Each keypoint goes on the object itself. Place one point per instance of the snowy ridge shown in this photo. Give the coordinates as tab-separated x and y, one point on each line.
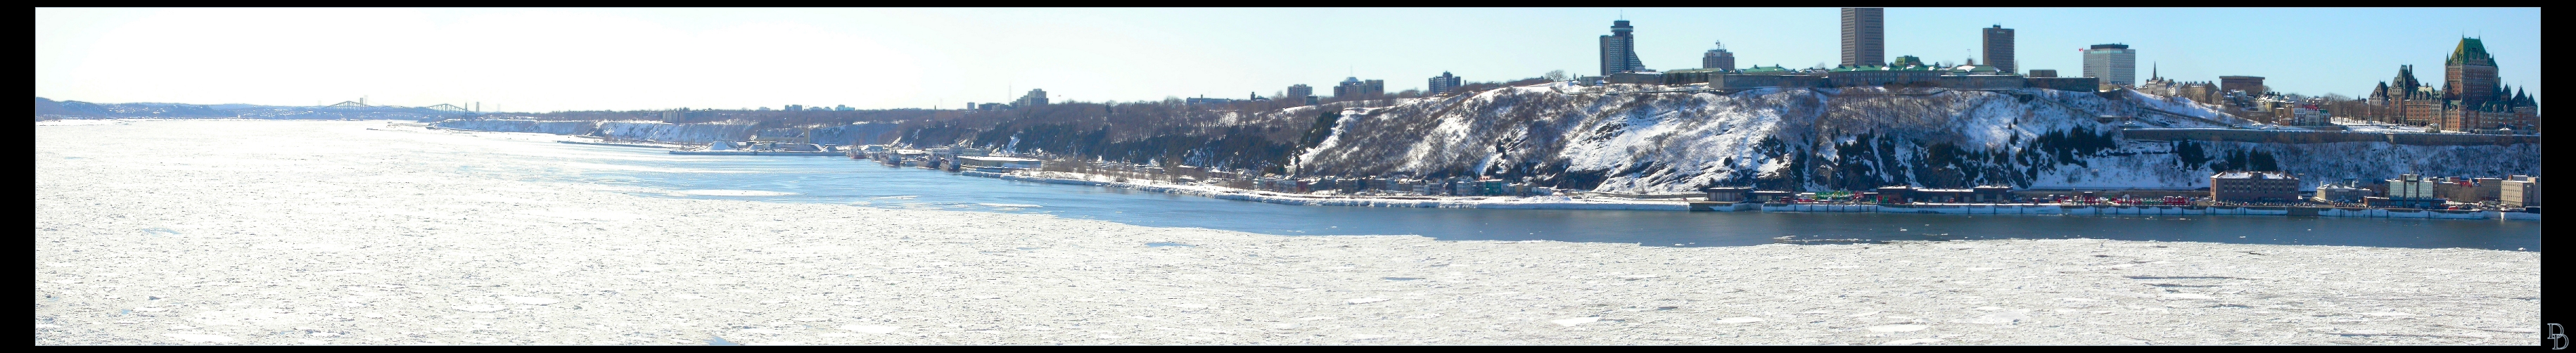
499	125
668	132
683	133
1848	138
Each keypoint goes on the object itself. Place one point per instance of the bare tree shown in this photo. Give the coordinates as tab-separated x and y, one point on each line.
1554	75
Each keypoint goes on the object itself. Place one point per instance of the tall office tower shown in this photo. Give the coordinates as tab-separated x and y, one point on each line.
1718	59
1299	91
1864	36
1619	50
1354	88
1999	49
2470	74
1442	83
2115	64
1036	97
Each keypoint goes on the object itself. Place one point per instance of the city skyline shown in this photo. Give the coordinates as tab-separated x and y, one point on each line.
641	59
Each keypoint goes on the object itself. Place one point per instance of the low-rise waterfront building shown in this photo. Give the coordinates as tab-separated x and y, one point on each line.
999	162
2345	192
2253	187
2519	191
1726	194
2408	191
1892	194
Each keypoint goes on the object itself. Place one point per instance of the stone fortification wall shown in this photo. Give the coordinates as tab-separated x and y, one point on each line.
2285	136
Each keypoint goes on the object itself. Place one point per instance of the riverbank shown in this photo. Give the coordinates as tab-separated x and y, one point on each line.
1224	193
357	237
1571	203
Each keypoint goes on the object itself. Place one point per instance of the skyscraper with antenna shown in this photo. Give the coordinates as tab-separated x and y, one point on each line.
1619	49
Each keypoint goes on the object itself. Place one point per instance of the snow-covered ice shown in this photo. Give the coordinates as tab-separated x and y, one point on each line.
256	258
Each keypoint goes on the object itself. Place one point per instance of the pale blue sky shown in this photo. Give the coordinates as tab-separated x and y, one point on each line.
623	59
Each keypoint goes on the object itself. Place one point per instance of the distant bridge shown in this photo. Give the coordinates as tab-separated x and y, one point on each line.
361	104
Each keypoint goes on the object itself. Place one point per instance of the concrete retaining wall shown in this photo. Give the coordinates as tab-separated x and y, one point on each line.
2294	136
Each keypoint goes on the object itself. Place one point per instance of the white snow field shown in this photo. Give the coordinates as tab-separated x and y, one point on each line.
328	233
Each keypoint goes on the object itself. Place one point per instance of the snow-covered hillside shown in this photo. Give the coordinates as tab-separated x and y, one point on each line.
1826	139
686	133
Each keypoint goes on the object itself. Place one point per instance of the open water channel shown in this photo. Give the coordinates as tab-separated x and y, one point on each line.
865	183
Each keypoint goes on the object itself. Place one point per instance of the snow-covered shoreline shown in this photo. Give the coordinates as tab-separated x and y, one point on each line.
1221	193
1569	203
281	233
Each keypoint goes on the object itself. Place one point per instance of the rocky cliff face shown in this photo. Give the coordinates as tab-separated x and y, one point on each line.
1591	138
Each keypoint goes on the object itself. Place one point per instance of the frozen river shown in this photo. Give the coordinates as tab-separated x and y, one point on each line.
356	233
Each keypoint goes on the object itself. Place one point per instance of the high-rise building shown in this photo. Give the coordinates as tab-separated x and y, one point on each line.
1354	88
1036	97
1718	59
2115	64
1299	91
1864	36
1619	50
1999	49
1442	83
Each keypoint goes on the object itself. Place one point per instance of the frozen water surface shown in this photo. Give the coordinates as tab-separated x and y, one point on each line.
298	232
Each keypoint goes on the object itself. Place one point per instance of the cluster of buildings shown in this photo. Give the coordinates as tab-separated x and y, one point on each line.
1454	186
1035	97
799	108
2406	191
2471	98
1889	194
1864	63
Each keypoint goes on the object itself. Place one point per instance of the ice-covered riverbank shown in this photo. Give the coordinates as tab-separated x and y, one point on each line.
1224	193
257	232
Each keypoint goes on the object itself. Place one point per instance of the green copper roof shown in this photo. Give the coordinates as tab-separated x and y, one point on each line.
1908	60
2472	52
